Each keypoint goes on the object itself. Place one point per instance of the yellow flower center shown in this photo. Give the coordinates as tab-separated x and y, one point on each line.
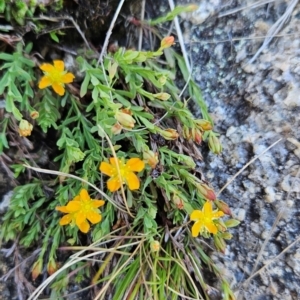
55	76
86	206
124	170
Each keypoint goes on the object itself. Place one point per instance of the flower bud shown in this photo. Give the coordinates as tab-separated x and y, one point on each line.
162	80
34	114
162	96
206	191
197	137
25	128
222	206
191	7
186	133
231	223
226	235
155	246
169	134
51	266
124	118
166	42
178	201
36	269
214	144
117	128
203	124
220	243
150	158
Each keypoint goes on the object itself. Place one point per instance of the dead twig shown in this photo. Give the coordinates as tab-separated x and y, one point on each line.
109	32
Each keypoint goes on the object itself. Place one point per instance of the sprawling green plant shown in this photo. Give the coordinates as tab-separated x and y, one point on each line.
127	138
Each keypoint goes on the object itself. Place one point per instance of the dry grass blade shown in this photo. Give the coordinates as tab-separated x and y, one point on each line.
277	26
235	10
180	38
109	32
141	28
46	171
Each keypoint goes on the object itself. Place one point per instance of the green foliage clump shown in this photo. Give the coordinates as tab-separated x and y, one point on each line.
127	107
18	10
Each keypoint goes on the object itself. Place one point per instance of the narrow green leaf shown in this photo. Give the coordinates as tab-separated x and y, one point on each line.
7	57
54	36
84	85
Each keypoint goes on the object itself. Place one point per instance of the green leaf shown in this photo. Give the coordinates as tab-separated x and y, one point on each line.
3	142
171	15
54	36
18	169
4	81
16	92
7	57
22	73
84	85
48	112
148	124
16	113
74	154
26	61
2	6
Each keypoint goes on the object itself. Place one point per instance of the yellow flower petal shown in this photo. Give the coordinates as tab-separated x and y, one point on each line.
125	172
196	215
113	184
106	168
65	220
44	82
112	161
73	206
68	78
98	203
84	195
135	164
211	227
58	88
59	65
76	198
84	226
63	209
132	181
207	209
196	229
80	218
218	214
47	68
93	217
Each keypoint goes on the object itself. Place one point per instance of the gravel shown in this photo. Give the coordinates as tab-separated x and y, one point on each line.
253	105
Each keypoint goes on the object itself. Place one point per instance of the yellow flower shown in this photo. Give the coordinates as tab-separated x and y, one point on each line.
81	209
126	171
204	219
25	128
55	76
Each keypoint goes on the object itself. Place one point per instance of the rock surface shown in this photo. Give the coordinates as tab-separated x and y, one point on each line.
253	104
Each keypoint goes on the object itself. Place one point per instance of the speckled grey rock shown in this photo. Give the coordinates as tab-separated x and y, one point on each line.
253	105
